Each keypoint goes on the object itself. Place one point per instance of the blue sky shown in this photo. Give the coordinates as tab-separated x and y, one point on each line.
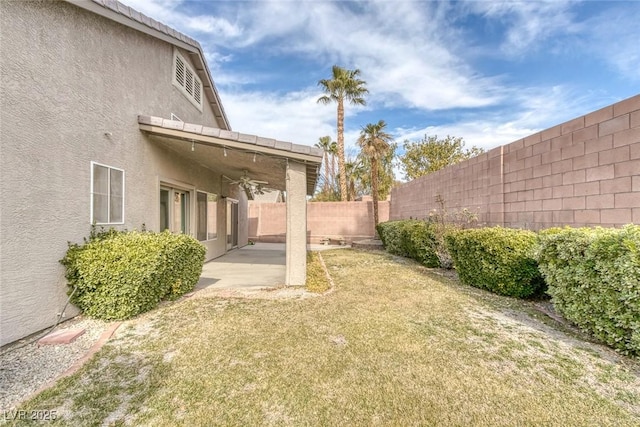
488	71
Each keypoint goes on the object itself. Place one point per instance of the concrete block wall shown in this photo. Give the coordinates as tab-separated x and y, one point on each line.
335	220
583	172
268	222
475	184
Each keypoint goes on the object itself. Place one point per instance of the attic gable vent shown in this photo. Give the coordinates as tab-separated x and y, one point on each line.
197	93
180	71
186	80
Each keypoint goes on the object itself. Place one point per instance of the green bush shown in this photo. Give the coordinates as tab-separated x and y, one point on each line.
439	232
117	275
501	260
411	238
389	233
594	281
418	241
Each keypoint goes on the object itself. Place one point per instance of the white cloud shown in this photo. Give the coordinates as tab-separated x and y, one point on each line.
171	12
294	117
403	48
212	25
533	110
483	134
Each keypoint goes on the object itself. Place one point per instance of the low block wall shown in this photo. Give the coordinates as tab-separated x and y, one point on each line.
337	221
582	172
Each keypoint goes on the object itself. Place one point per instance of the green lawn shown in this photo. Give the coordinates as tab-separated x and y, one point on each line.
392	345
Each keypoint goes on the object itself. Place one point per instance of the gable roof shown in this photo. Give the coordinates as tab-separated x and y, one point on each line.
125	15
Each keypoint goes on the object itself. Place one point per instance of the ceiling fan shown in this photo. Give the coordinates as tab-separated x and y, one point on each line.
250	186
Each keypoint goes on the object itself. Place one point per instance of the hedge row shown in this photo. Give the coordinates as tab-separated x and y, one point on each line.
117	275
593	276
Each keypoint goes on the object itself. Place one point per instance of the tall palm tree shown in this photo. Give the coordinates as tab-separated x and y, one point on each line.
343	86
374	143
325	144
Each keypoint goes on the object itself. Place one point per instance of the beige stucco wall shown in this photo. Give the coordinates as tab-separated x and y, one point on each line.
73	84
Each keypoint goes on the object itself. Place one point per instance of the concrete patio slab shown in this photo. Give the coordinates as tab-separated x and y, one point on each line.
247	269
251	267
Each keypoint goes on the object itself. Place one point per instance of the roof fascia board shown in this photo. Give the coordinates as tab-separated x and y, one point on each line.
124	20
105	12
209	140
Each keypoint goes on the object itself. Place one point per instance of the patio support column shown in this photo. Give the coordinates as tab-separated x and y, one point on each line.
296	246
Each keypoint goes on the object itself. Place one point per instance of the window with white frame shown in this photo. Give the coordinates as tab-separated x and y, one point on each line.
107	194
186	80
207	208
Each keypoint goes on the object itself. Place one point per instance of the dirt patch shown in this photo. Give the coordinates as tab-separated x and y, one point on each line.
520	342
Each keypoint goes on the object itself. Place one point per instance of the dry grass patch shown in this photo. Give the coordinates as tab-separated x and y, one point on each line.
392	345
317	280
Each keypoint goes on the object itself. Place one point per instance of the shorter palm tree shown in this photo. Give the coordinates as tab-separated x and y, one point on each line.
374	144
355	174
386	176
325	144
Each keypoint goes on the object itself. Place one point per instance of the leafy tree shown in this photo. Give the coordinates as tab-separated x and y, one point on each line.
344	85
432	154
375	144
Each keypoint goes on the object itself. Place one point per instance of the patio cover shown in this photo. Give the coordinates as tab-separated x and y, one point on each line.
285	166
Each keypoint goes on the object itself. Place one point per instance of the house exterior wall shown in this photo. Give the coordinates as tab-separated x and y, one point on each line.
73	84
335	220
584	172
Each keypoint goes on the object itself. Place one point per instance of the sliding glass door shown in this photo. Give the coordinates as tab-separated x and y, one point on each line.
174	210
